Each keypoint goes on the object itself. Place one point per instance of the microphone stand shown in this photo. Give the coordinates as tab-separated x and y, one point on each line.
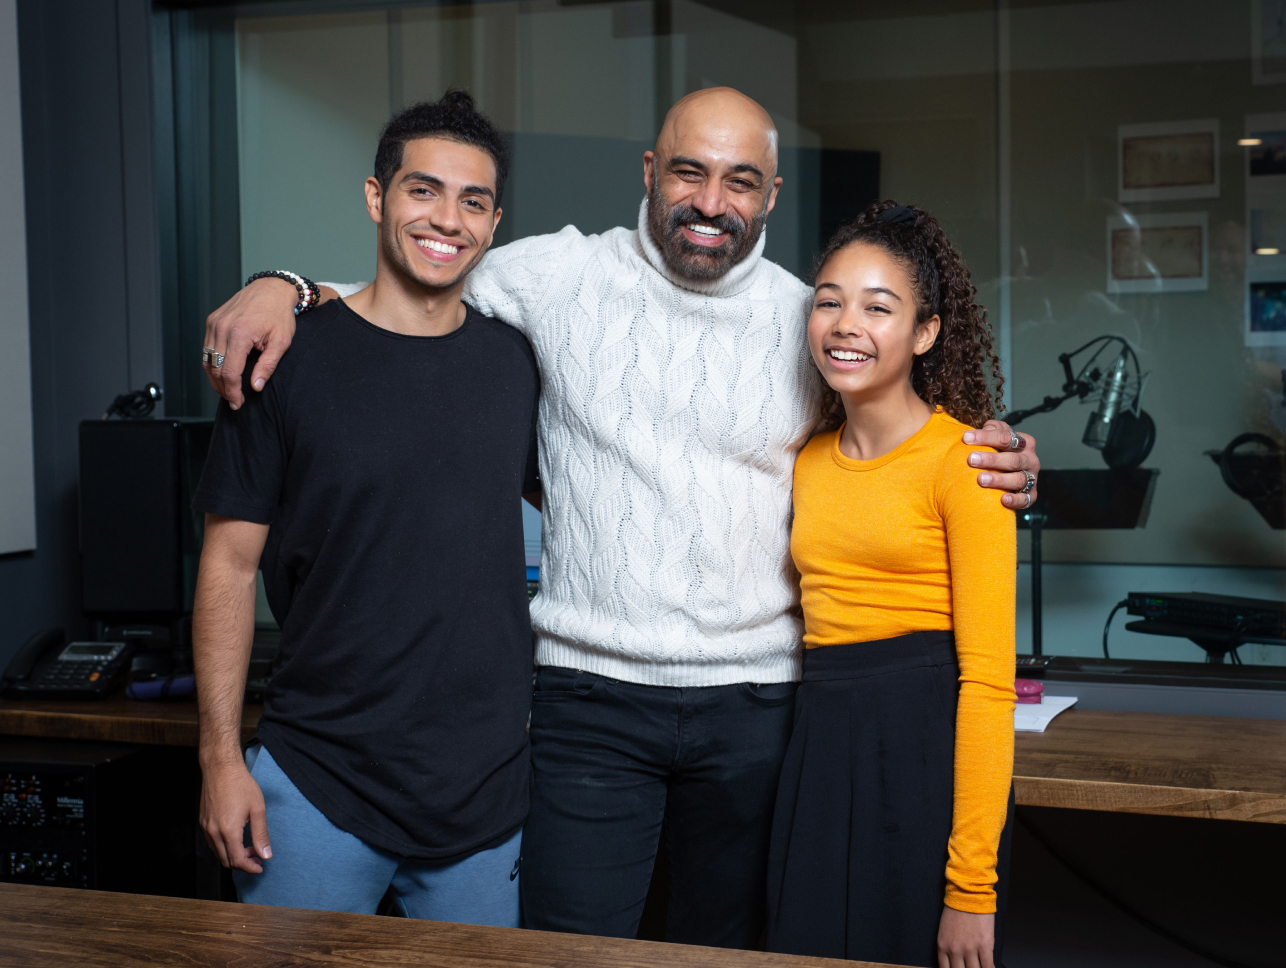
1072	387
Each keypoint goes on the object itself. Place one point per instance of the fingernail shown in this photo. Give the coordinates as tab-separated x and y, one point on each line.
975	459
235	406
258	384
969	438
984	478
267	852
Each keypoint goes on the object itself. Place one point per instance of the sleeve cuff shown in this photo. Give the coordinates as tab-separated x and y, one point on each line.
345	289
229	507
970	903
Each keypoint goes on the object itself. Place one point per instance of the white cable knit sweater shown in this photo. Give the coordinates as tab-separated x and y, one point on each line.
670	415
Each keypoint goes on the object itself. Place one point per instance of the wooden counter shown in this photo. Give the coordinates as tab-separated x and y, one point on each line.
114	720
1179	766
44	927
1184	766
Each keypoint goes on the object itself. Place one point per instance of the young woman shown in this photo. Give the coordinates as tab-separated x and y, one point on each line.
890	837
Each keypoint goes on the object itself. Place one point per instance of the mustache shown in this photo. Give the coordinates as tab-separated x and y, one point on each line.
685	215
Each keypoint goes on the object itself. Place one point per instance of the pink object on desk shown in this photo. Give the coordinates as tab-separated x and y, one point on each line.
1028	690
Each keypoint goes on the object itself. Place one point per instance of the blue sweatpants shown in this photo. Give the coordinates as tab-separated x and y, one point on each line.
316	865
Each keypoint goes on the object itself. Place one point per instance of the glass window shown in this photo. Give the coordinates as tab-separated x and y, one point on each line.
1109	169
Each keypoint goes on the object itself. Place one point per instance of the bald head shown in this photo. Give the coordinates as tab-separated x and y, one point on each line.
722	118
711	181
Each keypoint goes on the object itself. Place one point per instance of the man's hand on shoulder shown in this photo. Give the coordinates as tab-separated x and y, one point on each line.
230	799
259	317
1007	470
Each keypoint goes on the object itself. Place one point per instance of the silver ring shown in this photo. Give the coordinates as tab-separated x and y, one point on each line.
1016	441
218	362
1028	505
1027	488
206	353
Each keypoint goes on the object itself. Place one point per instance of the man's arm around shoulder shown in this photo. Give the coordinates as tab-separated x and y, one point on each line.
222	634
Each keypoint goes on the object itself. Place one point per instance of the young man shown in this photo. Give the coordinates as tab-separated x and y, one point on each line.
376	482
676	394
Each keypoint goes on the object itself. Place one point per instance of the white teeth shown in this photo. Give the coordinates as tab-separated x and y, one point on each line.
851	356
705	230
437	246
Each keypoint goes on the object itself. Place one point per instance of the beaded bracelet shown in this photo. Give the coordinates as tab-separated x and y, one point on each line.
309	293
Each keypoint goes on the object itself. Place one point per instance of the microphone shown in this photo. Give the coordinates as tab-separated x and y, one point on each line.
1099	427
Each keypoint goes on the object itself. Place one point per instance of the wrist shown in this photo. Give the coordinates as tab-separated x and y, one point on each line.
217	760
307	294
280	288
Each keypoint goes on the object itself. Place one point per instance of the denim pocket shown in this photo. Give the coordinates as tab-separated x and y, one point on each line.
558	683
769	693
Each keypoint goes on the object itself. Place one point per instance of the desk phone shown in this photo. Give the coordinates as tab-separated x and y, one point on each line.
47	668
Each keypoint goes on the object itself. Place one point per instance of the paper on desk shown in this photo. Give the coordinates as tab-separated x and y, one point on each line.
1034	717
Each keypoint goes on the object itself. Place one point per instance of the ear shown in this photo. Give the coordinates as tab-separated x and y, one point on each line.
772	195
374	200
649	170
926	334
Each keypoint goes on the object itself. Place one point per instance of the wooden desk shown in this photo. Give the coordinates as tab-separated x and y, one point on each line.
1184	766
43	927
1179	766
114	720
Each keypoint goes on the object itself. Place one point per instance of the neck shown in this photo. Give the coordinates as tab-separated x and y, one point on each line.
400	304
880	422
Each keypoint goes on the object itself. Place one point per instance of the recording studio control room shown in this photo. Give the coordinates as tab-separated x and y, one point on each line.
703	483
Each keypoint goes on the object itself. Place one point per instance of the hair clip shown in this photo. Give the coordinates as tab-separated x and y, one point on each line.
898	215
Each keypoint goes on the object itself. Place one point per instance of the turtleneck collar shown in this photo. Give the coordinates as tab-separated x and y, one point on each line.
735	280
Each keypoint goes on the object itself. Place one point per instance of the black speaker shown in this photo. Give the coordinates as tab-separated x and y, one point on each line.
139	540
103	816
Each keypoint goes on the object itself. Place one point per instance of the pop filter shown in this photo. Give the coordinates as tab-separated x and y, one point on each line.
1130	440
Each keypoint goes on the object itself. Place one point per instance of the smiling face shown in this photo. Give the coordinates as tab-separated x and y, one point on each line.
862	331
439	214
711	182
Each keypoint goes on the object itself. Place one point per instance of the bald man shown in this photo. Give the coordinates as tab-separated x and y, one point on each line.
676	392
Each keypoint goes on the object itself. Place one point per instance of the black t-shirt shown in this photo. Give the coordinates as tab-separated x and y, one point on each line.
390	469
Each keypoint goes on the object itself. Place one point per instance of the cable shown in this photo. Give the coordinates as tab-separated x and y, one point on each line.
1111	615
136	405
1111	898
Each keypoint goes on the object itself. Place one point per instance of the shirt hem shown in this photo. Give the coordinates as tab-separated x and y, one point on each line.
344	821
767	668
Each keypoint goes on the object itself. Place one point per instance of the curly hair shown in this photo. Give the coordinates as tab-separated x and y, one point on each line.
453	116
952	374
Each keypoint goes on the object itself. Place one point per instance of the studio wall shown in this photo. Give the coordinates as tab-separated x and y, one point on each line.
92	269
17	483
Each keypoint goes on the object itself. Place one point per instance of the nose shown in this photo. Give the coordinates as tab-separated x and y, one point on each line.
445	217
710	200
849	323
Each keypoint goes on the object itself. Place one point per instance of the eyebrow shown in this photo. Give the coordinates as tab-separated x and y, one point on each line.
744	168
881	289
870	289
437	182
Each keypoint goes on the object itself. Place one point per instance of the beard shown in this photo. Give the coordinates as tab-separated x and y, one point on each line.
700	262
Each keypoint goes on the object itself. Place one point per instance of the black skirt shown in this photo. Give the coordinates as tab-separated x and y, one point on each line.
857	866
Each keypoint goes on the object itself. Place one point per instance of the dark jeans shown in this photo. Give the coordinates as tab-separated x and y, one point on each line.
611	761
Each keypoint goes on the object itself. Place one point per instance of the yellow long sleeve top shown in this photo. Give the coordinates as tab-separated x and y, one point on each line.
909	542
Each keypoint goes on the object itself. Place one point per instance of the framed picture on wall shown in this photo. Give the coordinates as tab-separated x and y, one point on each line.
1268	41
1266	322
1168	160
1265	292
1157	253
